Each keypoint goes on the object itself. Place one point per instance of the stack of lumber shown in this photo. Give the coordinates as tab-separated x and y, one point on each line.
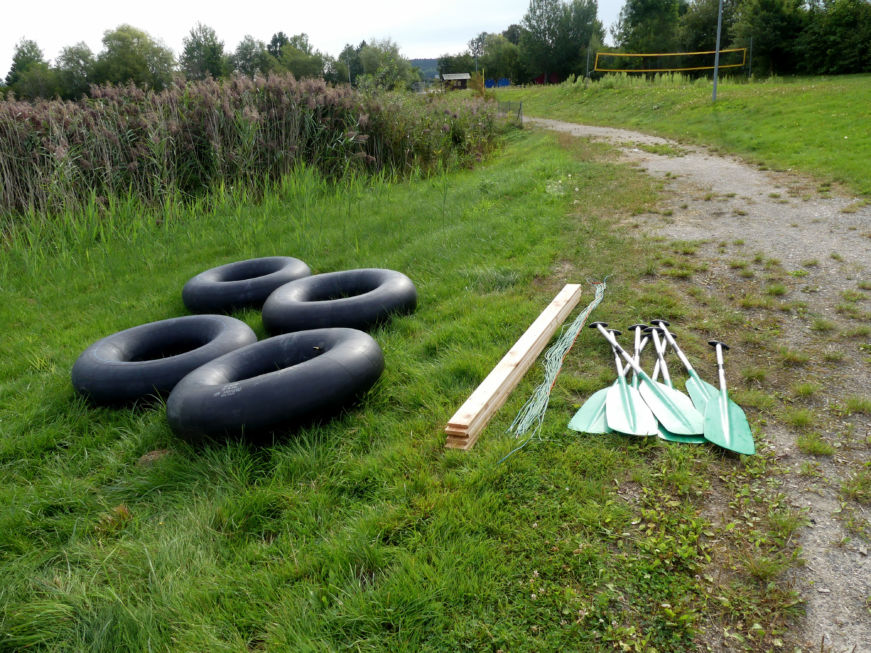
467	423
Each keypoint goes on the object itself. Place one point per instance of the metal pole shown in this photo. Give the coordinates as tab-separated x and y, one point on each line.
717	52
588	60
750	67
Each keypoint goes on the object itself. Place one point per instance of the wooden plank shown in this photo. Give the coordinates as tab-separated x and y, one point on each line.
467	423
483	417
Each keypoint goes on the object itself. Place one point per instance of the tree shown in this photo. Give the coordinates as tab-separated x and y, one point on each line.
774	26
75	70
501	58
252	58
278	41
203	54
476	47
300	58
26	54
557	35
698	24
131	55
836	38
350	58
384	66
513	33
456	63
648	26
36	81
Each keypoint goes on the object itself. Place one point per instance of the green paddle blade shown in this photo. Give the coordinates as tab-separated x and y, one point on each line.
626	412
672	408
701	392
726	426
590	418
664	434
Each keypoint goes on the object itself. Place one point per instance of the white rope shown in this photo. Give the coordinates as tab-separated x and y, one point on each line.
531	415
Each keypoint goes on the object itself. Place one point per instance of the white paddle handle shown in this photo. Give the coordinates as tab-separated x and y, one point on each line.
721	371
660	354
616	345
662	324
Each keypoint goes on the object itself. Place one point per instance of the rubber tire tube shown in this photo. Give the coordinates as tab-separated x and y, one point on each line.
276	382
358	299
243	284
151	358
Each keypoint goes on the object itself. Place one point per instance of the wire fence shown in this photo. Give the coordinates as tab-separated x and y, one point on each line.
510	110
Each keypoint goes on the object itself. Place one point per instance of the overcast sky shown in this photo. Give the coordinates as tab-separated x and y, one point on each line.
421	29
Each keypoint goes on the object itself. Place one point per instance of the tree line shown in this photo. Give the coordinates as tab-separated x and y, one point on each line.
130	55
554	39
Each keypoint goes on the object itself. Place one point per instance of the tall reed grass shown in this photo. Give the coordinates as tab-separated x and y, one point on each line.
59	157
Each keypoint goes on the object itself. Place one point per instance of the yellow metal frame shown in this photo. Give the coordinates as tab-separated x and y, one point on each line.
666	54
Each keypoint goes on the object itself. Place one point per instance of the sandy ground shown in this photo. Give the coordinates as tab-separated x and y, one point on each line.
785	216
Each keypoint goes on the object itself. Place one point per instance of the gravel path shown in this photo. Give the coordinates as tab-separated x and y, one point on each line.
790	218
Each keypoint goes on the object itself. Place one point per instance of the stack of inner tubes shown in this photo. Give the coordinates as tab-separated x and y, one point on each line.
220	381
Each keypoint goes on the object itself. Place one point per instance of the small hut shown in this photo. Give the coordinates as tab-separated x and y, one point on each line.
456	81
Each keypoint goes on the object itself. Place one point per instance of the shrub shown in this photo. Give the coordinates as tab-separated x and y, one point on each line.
190	137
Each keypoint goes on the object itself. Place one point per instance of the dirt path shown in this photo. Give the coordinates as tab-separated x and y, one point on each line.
825	238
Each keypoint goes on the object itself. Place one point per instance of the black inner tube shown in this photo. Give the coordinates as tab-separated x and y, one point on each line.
248	270
275	383
149	351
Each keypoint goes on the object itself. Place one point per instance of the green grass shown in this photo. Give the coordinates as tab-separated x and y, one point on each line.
858	486
663	149
363	529
754	398
810	124
814	445
800	418
822	325
857	404
364	532
853	295
793	358
805	389
754	374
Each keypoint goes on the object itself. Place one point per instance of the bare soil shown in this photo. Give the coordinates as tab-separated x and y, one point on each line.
739	209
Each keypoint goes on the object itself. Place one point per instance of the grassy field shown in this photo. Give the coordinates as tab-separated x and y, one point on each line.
364	533
816	125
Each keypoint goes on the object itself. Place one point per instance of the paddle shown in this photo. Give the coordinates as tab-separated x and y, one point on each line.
659	346
590	417
674	410
700	391
725	423
639	347
625	409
